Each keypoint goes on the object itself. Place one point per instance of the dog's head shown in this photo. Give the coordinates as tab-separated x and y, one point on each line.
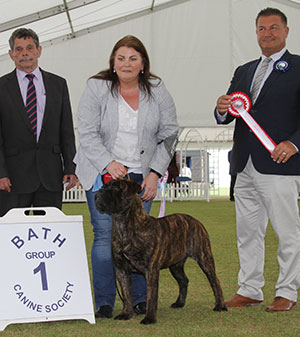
116	196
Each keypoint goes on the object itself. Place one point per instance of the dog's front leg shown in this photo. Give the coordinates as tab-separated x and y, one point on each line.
152	278
124	279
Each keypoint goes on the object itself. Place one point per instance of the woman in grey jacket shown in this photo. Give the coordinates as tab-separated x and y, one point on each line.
127	126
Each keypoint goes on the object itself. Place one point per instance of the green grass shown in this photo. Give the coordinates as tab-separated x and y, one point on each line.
197	318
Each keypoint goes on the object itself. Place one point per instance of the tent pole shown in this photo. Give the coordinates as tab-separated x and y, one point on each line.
69	18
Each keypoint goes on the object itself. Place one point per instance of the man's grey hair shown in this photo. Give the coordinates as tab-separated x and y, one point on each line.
23	33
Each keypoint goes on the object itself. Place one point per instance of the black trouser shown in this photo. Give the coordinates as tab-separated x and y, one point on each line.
39	198
232	183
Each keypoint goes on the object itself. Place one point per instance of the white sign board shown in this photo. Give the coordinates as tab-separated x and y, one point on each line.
44	270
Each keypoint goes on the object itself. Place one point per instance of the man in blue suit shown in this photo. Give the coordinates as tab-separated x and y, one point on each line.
268	184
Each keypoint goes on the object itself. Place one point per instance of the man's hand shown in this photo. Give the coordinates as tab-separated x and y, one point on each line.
223	103
283	152
5	184
72	180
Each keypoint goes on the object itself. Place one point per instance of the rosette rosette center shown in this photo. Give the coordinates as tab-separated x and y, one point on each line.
239	102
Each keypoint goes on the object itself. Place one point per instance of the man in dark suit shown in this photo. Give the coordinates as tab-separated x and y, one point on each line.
37	143
268	184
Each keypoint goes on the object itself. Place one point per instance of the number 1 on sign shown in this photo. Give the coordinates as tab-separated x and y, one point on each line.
42	268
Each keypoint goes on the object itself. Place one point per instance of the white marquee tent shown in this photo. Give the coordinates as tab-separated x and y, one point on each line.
194	46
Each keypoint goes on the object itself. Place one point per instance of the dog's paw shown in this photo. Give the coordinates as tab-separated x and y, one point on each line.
221	307
148	320
177	305
123	316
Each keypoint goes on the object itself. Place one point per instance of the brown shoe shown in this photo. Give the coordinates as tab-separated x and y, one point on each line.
242	301
281	304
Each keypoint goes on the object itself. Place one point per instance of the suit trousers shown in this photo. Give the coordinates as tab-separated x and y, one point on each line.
39	198
259	198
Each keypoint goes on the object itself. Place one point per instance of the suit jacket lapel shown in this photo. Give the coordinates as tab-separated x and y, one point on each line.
13	90
143	112
251	72
49	94
112	109
271	79
113	115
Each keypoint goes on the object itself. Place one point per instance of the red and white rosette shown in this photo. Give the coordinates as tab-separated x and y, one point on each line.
240	107
239	101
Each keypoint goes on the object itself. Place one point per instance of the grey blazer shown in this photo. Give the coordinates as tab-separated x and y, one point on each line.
98	122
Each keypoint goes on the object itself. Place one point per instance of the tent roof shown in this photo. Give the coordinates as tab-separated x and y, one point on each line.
194	45
57	20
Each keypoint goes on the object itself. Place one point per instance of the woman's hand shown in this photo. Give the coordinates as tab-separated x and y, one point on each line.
150	186
116	170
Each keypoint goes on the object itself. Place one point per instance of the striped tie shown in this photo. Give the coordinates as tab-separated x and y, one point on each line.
259	78
31	103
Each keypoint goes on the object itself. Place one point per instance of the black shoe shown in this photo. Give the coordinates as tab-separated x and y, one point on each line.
140	308
104	312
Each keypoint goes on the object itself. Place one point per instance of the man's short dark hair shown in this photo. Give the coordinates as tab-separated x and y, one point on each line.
23	33
272	11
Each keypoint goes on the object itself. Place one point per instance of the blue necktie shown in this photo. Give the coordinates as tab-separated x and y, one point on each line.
31	103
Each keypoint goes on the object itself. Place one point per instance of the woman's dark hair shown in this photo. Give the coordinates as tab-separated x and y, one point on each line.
144	77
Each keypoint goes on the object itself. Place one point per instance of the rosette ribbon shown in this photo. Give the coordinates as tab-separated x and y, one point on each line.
240	107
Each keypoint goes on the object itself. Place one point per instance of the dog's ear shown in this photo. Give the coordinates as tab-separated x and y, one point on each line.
133	187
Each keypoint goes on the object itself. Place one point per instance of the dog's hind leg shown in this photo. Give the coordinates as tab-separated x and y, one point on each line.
206	262
124	279
177	271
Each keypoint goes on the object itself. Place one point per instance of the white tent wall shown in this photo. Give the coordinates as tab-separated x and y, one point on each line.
176	39
194	46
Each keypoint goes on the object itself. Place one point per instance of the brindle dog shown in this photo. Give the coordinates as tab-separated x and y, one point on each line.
143	244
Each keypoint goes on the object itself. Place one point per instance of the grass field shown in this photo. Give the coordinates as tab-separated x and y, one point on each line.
197	318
